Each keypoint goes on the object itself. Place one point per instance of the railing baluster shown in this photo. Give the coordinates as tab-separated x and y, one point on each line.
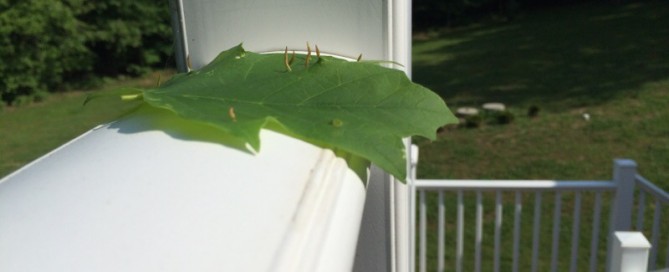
641	210
422	232
442	233
498	227
535	230
459	246
479	232
556	230
656	234
666	258
594	242
575	232
516	230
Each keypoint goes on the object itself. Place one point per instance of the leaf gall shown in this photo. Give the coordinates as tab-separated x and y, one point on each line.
336	122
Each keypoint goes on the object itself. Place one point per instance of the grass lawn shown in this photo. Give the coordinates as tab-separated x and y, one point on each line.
609	61
27	132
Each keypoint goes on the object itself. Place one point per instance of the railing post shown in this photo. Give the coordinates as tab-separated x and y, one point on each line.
629	252
624	171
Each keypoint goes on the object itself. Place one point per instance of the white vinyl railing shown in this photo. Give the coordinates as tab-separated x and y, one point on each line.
660	201
514	241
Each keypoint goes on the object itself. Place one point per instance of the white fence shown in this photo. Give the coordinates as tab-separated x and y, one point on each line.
524	245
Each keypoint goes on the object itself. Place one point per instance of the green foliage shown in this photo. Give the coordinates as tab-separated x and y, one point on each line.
49	44
39	46
360	108
473	121
495	117
22	100
40	96
533	111
504	117
127	36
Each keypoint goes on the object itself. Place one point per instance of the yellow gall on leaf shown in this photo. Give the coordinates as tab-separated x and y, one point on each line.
336	122
231	113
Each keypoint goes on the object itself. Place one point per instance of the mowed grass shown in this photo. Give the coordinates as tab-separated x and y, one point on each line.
28	132
610	62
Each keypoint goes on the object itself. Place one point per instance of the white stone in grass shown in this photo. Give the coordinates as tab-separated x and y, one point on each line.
467	111
494	106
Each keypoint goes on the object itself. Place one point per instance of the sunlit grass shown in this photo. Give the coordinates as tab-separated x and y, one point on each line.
30	131
543	60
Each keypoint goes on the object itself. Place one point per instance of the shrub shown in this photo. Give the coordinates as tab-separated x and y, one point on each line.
498	117
533	111
40	96
473	121
128	36
40	44
49	44
504	117
22	100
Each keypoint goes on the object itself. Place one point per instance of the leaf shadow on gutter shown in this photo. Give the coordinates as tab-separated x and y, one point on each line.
146	118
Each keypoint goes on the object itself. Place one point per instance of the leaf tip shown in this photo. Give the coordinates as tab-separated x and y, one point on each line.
240	51
254	144
240	47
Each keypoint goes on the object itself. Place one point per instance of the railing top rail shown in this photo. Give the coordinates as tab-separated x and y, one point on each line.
514	185
651	188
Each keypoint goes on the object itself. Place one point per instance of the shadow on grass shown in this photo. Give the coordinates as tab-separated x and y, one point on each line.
557	59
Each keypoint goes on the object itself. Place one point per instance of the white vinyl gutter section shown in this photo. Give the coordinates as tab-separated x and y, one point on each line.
139	195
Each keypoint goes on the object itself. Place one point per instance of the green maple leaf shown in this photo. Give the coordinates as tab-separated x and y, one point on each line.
357	108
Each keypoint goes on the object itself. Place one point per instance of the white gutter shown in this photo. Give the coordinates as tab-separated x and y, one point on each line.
141	194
